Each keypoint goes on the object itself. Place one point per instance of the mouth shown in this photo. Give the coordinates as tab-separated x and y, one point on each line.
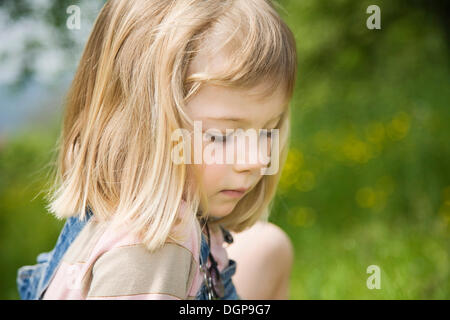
234	193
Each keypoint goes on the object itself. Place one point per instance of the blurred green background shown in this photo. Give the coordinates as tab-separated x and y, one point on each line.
367	181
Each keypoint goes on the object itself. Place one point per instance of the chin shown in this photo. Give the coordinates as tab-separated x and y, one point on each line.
221	211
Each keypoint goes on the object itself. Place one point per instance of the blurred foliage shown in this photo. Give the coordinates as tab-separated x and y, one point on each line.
53	15
367	181
26	229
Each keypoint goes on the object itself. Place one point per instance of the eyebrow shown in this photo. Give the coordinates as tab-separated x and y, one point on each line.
242	119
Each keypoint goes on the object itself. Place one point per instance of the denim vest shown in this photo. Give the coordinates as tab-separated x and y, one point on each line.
32	281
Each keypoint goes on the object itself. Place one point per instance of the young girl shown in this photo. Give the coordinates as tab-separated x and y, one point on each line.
140	225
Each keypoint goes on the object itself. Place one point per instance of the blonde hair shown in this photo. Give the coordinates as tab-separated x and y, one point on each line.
129	94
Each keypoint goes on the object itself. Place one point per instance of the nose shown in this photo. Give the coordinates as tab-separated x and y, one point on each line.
252	154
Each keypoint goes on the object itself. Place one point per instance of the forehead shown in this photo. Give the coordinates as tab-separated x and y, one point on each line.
223	102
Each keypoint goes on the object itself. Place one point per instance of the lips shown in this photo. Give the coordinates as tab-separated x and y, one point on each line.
234	193
243	190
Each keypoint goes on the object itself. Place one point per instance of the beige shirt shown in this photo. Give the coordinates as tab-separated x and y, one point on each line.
103	263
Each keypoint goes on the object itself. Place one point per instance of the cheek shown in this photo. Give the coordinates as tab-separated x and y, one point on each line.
213	177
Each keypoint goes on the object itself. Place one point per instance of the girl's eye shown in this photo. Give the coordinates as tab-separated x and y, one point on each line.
224	139
219	138
267	133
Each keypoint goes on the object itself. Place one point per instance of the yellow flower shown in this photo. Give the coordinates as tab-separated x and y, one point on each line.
399	126
302	216
366	197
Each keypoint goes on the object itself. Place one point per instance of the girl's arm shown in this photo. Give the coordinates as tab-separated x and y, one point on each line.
133	272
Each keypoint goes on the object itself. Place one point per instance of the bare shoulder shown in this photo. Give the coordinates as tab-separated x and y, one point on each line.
263	234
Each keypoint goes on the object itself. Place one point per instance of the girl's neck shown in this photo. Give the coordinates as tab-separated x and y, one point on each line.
212	228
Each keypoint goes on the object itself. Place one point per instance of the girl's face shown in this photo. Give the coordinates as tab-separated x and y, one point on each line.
222	108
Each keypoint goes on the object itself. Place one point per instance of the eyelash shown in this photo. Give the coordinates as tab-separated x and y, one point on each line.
224	139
